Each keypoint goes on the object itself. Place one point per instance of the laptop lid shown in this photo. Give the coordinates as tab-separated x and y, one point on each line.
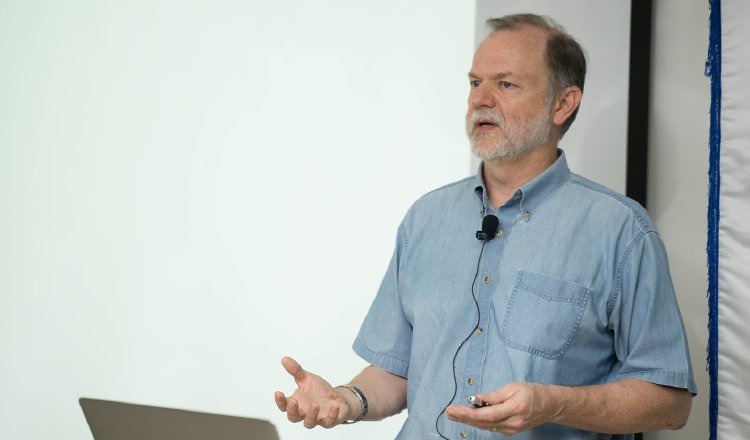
126	421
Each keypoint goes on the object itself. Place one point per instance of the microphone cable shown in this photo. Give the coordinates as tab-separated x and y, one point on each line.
455	356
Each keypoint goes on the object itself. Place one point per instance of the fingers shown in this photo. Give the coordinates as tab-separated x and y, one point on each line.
310	418
331	419
280	399
465	413
479	417
497	396
293	413
293	367
305	404
491	398
509	413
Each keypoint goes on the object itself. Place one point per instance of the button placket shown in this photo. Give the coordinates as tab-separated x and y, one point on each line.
477	345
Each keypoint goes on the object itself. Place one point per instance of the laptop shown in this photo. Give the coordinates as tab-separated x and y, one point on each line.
126	421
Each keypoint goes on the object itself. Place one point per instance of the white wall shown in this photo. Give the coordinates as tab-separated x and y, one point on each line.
678	176
190	190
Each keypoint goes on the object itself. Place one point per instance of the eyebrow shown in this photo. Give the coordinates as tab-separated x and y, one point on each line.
497	76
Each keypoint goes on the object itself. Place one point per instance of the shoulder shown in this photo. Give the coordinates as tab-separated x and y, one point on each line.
606	203
448	196
453	189
441	210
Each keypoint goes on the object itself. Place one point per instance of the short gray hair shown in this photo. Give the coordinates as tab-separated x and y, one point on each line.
566	61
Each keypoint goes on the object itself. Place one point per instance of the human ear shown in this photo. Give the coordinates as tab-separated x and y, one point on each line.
566	103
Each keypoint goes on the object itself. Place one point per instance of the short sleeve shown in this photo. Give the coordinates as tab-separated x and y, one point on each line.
384	340
650	339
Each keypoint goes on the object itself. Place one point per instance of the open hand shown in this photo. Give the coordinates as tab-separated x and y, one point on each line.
315	402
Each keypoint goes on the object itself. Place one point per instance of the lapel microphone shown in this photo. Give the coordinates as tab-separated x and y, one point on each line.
490	223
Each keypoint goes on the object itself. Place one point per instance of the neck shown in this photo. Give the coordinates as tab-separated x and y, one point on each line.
503	177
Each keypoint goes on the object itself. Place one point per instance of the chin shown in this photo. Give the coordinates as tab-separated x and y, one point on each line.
501	154
485	148
490	152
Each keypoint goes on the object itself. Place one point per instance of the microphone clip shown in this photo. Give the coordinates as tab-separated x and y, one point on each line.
490	225
482	236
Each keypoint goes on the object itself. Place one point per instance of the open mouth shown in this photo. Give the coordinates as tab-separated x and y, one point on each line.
484	125
484	121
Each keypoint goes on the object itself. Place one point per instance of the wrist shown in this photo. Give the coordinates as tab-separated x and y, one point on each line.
356	403
557	399
351	410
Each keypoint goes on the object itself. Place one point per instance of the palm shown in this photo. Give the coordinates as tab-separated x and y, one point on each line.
314	401
312	388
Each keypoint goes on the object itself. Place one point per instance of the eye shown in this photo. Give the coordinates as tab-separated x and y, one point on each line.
506	85
474	83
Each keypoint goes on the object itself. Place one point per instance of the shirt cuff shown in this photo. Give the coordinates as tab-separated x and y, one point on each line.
387	363
666	378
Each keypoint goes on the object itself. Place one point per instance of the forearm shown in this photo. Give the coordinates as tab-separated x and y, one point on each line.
627	406
385	392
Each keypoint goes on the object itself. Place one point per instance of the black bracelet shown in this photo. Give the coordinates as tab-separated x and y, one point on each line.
362	401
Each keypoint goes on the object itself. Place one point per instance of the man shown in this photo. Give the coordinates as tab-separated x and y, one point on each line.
563	318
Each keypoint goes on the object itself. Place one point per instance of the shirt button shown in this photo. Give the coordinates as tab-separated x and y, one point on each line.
499	233
472	381
478	330
464	434
487	279
526	215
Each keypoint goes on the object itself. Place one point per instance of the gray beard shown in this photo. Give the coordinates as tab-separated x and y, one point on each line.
522	136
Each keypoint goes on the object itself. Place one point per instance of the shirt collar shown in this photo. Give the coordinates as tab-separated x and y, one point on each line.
532	194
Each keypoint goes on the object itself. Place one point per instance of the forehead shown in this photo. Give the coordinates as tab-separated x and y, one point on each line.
519	51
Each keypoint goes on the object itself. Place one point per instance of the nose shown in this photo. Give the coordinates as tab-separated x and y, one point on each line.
481	96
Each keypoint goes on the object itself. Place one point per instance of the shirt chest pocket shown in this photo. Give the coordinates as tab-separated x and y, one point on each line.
543	314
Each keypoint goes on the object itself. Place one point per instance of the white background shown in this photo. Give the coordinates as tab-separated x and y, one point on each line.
190	190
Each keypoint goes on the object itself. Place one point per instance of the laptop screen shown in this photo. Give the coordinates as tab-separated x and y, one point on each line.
110	420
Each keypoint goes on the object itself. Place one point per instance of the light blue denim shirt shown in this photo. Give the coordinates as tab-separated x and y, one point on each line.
573	290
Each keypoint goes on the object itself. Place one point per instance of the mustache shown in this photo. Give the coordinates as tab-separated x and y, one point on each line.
486	115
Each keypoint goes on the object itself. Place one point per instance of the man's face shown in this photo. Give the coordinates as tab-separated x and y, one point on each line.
509	111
